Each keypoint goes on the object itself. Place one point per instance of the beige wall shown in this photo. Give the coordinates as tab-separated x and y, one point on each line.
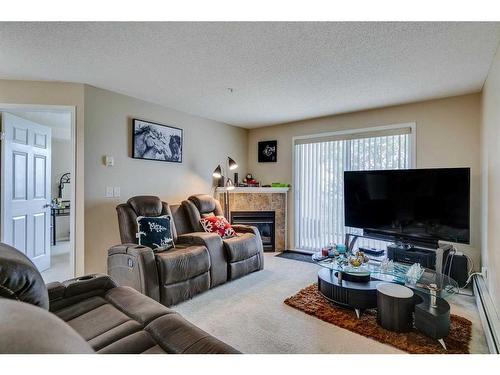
108	132
447	136
57	94
490	142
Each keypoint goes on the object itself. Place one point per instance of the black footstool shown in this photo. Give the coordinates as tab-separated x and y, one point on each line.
432	316
395	305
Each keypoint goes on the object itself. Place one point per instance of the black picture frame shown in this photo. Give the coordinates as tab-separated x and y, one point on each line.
267	151
161	150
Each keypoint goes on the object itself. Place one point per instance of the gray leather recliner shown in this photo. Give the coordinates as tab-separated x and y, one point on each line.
169	276
244	253
87	315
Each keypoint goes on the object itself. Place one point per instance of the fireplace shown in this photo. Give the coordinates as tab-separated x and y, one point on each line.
263	220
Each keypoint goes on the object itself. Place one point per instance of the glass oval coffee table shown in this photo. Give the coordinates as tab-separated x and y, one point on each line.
356	288
424	280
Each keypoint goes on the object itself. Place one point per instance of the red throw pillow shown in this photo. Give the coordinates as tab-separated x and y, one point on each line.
219	225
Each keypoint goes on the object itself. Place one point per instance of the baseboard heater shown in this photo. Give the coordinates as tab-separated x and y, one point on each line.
488	314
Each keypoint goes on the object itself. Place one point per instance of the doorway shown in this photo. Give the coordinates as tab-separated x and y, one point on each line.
37	189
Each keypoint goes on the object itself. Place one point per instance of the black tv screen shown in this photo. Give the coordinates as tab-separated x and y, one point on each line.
424	205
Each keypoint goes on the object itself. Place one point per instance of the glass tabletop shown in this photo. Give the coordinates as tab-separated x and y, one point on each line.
413	276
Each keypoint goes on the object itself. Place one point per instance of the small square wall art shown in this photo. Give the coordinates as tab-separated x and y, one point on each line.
268	151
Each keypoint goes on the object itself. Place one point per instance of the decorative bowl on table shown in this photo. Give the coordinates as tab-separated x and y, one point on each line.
358	259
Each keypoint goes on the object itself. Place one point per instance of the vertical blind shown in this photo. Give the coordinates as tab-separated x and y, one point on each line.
319	180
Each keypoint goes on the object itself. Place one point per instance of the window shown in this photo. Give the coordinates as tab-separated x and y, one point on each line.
320	162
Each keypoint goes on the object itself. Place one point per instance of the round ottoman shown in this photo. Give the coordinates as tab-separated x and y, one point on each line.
395	305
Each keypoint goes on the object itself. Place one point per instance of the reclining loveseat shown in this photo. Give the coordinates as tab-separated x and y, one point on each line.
199	261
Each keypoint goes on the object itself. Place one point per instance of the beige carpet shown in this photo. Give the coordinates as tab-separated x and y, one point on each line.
250	315
60	268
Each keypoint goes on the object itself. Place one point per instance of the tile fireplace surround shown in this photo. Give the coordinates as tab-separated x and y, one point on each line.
261	199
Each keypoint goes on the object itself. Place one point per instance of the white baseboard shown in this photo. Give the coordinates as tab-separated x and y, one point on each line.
488	314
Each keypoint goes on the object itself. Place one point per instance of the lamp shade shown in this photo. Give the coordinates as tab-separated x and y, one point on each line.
232	164
229	184
217	172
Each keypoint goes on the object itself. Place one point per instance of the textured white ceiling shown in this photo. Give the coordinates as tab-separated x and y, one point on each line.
280	72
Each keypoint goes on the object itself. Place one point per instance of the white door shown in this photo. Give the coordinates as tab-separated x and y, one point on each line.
25	188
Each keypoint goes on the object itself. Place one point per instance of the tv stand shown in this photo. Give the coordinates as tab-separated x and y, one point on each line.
432	258
411	254
429	255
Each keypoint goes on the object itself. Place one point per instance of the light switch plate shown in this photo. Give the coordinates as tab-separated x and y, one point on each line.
116	191
109	161
109	192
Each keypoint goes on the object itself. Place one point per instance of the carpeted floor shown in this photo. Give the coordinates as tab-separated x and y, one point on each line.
249	313
311	302
60	268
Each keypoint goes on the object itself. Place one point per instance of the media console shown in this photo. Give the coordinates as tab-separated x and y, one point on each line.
433	259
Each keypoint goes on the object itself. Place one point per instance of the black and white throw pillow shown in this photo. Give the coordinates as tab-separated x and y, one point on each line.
155	232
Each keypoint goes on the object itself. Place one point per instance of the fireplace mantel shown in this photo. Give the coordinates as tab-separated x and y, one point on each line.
256	190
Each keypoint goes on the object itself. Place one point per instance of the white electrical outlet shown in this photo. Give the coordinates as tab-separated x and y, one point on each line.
116	192
109	192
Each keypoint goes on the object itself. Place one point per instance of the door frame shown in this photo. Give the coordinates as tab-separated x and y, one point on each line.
7	107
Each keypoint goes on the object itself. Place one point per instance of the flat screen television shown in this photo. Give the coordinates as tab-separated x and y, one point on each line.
411	205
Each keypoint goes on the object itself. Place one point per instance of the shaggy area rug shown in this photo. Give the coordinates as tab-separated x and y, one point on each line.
310	301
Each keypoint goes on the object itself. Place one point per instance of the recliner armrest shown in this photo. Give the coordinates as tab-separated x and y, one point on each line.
74	290
56	290
130	248
239	228
200	238
135	266
215	246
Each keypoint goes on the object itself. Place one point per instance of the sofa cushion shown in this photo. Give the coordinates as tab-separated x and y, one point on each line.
125	321
241	247
182	263
98	321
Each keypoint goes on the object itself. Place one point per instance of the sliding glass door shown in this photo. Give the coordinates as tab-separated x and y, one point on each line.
320	163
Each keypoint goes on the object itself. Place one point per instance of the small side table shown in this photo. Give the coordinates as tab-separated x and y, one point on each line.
395	306
432	317
55	212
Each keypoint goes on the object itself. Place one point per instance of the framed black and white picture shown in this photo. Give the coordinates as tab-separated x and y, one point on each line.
152	141
268	151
